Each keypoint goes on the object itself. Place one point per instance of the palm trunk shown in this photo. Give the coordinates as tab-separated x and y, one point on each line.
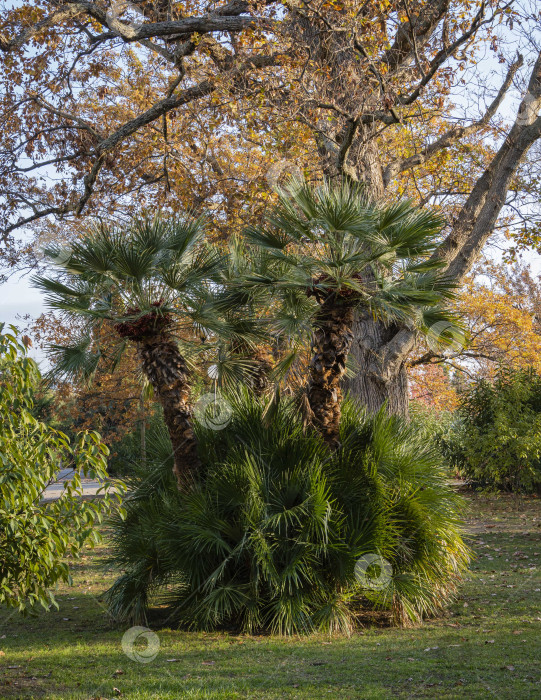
260	379
333	337
143	431
168	374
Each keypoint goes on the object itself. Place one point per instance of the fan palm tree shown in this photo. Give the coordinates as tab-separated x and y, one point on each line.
253	347
150	285
346	255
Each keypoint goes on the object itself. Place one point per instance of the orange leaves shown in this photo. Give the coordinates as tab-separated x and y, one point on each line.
501	308
432	386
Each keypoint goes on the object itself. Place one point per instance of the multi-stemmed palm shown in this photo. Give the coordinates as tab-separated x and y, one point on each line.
322	255
151	284
344	254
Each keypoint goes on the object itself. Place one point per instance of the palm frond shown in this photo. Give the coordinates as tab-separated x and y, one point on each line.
78	361
269	537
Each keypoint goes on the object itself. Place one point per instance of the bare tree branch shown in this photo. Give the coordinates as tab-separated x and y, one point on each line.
456	133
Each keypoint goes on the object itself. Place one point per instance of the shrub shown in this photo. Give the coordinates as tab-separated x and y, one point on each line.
441	428
35	535
501	431
269	535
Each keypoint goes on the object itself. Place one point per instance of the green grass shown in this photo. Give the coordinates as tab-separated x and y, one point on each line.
488	646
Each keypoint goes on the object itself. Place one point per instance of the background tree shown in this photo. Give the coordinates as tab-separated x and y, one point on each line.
500	309
369	90
497	443
114	402
501	306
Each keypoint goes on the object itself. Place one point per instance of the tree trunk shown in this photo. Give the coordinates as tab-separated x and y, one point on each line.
143	431
168	374
333	337
259	380
381	377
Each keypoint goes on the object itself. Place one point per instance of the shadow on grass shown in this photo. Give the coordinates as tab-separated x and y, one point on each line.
488	645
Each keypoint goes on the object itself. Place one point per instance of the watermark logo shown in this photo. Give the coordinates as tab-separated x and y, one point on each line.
140	644
57	256
445	335
529	109
373	571
282	171
213	411
132	15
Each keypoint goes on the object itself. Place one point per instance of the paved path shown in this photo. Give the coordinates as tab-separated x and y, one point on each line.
54	491
91	486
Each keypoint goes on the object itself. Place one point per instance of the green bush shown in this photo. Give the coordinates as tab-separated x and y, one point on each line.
269	536
35	536
442	429
500	434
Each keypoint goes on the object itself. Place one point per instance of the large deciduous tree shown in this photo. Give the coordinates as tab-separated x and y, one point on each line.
130	107
366	82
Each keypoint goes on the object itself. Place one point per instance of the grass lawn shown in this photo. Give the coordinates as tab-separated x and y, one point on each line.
488	646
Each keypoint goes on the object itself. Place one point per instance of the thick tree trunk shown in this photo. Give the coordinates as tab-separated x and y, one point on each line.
381	377
168	374
332	341
382	355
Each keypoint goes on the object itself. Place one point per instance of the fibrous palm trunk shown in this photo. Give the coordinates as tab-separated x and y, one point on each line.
260	378
333	337
168	373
